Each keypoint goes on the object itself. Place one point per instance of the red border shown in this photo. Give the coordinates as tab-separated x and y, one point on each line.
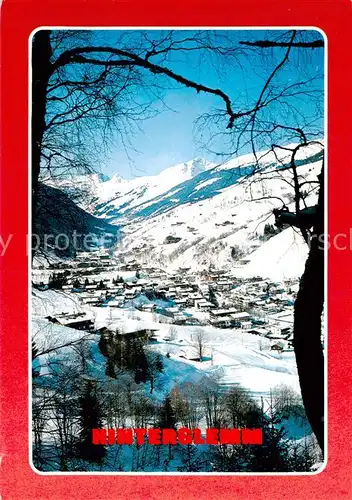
19	18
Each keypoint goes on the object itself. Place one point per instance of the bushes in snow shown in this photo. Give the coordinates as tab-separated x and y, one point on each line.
68	402
58	280
172	239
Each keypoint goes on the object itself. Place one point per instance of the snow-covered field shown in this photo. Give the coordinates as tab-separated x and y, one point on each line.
232	356
236	355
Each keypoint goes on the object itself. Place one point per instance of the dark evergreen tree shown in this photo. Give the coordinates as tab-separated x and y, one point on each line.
270	230
192	460
302	457
76	283
141	367
117	280
57	280
155	366
167	418
110	368
159	365
253	417
103	343
230	458
212	297
101	285
273	454
118	351
128	353
91	417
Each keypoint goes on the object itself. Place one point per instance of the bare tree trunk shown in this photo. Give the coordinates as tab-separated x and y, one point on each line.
41	72
307	326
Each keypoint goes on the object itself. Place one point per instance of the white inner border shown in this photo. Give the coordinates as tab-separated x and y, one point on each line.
183	28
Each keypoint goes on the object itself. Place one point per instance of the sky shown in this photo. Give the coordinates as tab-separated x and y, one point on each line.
171	136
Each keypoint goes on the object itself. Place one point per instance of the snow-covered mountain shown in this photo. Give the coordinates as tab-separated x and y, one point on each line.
198	214
112	198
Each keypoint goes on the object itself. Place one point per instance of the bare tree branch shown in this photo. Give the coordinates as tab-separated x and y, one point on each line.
74	56
267	43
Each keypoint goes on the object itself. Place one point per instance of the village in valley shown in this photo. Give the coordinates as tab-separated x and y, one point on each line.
177	186
116	293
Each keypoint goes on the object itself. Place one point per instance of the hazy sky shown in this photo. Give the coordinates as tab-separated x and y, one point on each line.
169	137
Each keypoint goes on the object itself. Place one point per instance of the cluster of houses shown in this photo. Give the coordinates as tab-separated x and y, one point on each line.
78	321
230	318
210	297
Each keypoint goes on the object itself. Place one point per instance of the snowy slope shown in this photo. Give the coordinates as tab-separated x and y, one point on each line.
281	257
216	212
224	228
122	201
51	302
237	358
111	198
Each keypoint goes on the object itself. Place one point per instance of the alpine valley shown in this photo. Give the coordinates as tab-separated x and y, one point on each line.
197	214
180	312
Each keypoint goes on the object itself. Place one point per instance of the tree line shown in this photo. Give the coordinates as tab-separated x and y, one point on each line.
70	400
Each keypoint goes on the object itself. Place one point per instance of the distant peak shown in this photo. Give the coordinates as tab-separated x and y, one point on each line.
116	178
196	166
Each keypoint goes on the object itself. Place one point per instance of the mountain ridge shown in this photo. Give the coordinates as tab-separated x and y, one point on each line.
215	216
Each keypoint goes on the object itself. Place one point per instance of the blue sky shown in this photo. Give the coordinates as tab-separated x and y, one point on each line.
170	138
